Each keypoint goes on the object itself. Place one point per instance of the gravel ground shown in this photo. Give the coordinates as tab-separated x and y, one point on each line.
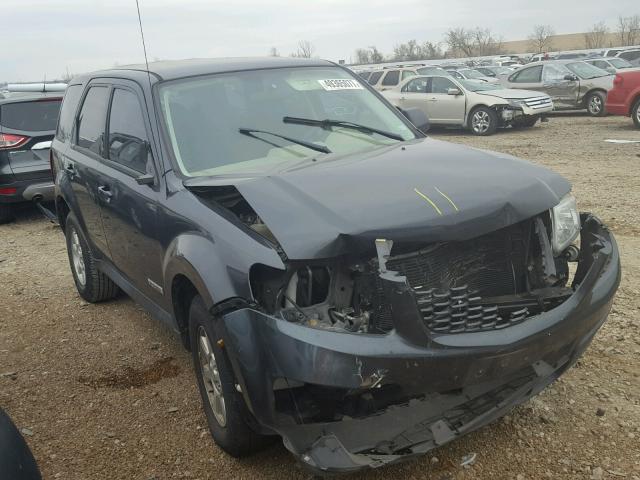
104	392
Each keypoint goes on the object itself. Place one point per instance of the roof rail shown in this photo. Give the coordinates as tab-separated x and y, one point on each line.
36	87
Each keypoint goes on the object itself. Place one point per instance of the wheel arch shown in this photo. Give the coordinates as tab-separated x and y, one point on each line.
589	92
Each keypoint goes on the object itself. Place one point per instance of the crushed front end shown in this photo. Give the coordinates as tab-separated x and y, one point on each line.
365	361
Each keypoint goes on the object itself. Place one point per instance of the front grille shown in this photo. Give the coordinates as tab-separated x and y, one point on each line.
451	281
538	102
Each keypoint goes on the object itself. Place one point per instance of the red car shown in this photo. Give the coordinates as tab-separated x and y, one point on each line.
624	97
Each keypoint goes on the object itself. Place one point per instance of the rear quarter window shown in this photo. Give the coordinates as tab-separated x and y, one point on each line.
375	76
31	116
68	112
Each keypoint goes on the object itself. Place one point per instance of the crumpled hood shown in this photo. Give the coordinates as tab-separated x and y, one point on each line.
513	93
425	190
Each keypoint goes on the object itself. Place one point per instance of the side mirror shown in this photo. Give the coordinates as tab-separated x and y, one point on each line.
146	179
454	91
571	77
417	117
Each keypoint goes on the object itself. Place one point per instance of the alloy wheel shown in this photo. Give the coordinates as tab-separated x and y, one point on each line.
78	259
480	121
595	104
211	377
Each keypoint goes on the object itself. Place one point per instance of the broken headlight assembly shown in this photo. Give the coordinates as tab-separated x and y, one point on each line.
565	222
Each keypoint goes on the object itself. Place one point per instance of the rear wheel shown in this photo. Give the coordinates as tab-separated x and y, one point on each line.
92	285
6	214
224	407
483	121
595	104
635	113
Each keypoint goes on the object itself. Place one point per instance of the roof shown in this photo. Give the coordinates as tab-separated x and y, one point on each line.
562	61
174	69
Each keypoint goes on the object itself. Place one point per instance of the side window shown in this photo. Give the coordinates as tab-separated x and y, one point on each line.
527	75
127	142
391	78
365	75
91	120
68	112
419	85
441	85
375	76
630	55
553	74
407	74
455	74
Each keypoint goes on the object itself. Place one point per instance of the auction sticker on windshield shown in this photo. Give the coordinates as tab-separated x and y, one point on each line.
340	84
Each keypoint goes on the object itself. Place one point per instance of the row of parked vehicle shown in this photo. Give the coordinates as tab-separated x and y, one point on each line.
484	99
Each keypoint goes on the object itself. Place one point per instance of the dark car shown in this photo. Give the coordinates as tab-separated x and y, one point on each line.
344	282
16	460
27	124
624	97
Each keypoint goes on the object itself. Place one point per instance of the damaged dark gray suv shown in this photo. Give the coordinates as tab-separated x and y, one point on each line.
363	291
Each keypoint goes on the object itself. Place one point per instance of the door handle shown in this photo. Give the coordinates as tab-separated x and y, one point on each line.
105	193
403	98
432	99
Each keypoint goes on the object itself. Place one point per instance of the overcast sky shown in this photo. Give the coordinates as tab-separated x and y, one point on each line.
46	37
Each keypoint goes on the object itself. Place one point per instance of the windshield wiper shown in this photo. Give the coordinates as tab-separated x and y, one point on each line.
250	133
326	124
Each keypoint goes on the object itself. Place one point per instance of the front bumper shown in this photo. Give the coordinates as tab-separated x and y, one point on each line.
449	384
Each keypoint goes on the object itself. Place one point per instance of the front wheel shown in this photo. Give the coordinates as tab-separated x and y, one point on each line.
635	113
483	121
224	407
595	104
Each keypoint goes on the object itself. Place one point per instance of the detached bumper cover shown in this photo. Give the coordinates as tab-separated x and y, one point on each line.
456	383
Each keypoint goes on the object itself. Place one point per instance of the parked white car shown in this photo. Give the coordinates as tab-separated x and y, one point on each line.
478	106
471	74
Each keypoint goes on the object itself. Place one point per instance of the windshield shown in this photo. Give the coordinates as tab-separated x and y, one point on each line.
431	71
501	70
471	73
233	123
620	63
586	70
477	85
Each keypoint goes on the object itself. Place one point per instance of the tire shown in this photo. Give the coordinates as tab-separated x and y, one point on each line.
6	214
227	414
635	113
483	121
93	285
595	104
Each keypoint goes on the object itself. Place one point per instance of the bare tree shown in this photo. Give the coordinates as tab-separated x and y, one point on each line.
596	37
375	55
629	30
485	43
305	49
540	39
362	56
273	52
460	41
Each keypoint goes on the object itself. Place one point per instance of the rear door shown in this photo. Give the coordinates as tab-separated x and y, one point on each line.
82	161
31	124
129	208
528	78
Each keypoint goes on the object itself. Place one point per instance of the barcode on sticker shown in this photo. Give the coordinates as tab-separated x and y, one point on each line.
340	84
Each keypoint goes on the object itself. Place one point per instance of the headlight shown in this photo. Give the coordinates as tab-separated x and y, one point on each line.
516	103
565	223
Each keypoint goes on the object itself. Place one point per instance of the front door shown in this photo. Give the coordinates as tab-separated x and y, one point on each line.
129	209
445	109
563	92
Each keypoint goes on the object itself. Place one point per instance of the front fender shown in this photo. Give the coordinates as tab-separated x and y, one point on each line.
218	269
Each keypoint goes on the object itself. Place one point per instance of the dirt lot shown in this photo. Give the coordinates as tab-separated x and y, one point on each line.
104	392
